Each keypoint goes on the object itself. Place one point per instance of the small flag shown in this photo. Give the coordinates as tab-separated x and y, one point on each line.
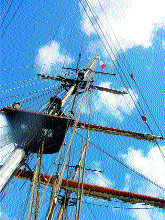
102	64
88	145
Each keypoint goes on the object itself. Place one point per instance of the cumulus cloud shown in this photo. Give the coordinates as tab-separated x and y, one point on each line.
117	105
132	21
52	55
152	166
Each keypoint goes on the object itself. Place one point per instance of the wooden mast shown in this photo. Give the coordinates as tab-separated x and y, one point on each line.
74	178
88	189
57	185
87	72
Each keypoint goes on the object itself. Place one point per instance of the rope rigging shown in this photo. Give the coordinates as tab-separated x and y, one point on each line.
22	86
6	84
112	50
29	93
37	101
6	12
128	68
112	53
99	26
4	30
125	165
55	190
79	207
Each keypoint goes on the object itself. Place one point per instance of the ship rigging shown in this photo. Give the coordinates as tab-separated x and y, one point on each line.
77	142
44	133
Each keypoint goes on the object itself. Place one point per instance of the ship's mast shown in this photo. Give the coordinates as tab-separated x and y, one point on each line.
63	206
13	162
57	185
87	72
19	153
17	156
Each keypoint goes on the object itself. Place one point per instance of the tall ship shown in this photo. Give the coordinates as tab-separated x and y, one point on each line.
81	131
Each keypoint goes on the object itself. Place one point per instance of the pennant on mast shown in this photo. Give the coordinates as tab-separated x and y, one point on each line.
102	65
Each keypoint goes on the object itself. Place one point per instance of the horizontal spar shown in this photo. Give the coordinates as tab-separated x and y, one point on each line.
95	191
72	81
115	131
108	90
52	120
110	74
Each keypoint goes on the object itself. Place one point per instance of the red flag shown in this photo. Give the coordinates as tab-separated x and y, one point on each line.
102	64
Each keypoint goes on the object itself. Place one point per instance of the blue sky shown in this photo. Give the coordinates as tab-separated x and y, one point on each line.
48	35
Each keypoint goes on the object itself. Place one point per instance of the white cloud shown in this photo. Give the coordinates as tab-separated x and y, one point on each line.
117	105
52	55
152	166
132	21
